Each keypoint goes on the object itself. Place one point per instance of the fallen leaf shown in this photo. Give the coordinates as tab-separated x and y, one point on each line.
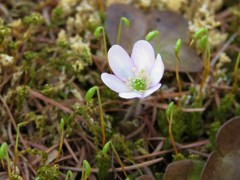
171	26
224	163
129	36
144	177
184	170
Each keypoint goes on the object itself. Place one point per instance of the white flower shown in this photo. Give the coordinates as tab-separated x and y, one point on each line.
137	76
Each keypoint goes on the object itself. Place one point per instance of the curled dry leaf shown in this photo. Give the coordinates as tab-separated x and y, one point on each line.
171	26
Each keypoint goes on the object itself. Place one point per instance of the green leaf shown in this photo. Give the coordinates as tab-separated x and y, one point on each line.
151	35
90	93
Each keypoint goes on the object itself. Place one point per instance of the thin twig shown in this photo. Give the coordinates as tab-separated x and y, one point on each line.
119	169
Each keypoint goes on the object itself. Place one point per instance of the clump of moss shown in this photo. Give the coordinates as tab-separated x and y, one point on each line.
185	125
103	164
222	113
214	126
48	172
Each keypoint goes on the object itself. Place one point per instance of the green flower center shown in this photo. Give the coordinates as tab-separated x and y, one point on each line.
139	85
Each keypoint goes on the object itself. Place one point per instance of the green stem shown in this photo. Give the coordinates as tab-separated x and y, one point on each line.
177	77
101	117
119	31
206	60
105	44
171	135
69	175
16	143
127	23
9	167
60	144
2	163
235	82
83	177
158	47
119	160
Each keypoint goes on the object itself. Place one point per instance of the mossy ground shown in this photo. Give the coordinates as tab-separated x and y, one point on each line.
49	58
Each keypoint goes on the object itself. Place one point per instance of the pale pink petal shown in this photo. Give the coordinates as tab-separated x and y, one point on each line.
114	83
151	90
120	62
143	55
130	95
157	71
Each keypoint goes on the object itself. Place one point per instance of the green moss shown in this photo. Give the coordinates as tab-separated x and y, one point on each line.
34	151
22	93
121	145
103	164
33	19
186	125
212	133
237	112
223	112
48	172
178	157
4	32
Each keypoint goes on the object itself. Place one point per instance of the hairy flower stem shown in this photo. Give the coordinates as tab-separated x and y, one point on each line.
235	81
119	160
170	119
206	64
136	107
101	117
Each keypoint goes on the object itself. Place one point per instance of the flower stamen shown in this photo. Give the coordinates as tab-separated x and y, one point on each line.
139	85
